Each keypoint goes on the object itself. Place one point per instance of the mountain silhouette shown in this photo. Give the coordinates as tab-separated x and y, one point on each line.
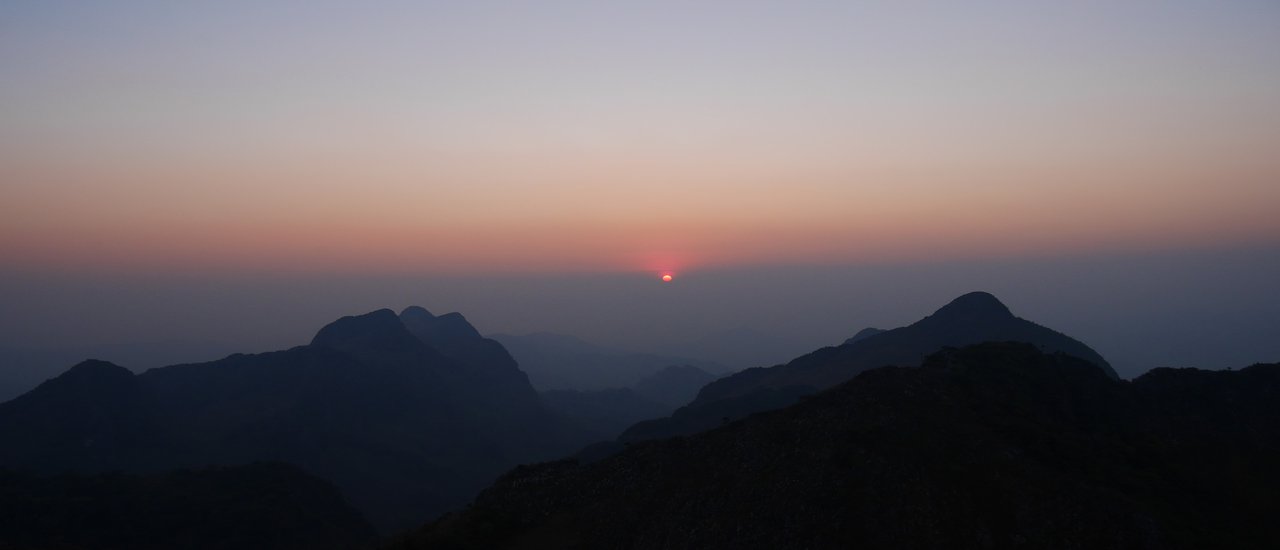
404	428
254	506
970	319
454	337
864	334
25	368
444	331
995	445
371	334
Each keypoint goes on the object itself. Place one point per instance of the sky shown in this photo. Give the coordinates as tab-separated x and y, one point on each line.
166	148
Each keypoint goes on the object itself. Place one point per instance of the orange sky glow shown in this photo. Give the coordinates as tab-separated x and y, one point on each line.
409	143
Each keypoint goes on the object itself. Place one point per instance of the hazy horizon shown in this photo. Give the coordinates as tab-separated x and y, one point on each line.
1207	309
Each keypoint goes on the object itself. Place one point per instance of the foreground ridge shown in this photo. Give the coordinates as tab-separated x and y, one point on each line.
994	445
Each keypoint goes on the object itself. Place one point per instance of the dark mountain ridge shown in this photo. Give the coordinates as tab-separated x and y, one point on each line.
863	334
997	445
24	368
405	429
970	319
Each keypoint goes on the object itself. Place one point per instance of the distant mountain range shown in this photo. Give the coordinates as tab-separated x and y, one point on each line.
562	362
604	390
970	319
606	413
22	369
407	414
410	415
998	445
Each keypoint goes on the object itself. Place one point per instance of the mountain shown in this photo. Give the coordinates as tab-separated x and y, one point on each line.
22	369
970	319
561	362
254	506
454	337
864	334
408	415
996	445
674	386
96	416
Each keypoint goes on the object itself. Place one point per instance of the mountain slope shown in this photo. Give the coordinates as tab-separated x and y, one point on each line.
995	445
970	319
404	429
864	334
94	416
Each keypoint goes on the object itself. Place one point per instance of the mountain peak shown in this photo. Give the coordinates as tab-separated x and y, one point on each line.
864	334
379	329
416	312
974	305
437	331
97	368
94	373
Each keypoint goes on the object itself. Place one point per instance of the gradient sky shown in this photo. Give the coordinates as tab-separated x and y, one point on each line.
175	165
592	136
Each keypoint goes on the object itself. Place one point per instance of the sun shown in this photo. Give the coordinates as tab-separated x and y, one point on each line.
666	278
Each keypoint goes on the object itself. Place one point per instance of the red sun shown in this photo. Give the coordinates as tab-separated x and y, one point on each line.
666	278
